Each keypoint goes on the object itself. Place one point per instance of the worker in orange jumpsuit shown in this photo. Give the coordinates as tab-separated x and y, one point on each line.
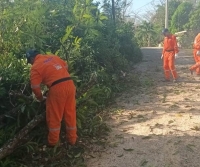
52	71
196	52
169	54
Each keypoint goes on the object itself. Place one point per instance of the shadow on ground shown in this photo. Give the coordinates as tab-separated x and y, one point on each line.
157	124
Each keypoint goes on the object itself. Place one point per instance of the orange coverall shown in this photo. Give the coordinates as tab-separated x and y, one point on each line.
196	47
60	101
170	48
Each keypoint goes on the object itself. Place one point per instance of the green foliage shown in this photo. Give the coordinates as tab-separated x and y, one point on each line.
7	163
159	18
146	34
86	38
194	20
11	67
181	16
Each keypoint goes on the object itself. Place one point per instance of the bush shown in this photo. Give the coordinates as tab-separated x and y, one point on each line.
95	51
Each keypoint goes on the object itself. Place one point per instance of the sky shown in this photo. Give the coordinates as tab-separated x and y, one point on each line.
139	6
139	9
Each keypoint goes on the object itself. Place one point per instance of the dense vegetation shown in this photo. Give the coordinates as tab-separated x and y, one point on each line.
98	51
183	16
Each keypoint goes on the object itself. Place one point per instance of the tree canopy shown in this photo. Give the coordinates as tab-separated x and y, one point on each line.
181	17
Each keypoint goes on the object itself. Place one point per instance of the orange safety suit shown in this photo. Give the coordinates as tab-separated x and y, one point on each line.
60	103
196	47
170	48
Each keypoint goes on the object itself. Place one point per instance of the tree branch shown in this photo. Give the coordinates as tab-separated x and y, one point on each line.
12	144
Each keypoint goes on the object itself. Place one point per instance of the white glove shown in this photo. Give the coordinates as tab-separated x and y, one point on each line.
176	55
44	98
198	52
162	56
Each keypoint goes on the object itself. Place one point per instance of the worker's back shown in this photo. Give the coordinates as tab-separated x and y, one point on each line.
50	68
170	44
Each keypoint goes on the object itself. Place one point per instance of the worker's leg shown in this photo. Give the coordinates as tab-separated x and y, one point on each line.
70	114
54	114
194	67
166	66
198	71
172	66
196	58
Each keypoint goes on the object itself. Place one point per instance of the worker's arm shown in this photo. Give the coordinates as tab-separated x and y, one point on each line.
163	51
36	80
175	44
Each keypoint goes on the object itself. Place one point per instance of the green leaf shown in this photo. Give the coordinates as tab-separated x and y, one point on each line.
103	17
68	33
79	124
23	108
87	16
8	116
129	149
78	155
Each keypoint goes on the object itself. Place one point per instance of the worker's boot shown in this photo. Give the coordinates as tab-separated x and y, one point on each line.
58	144
175	80
191	72
166	80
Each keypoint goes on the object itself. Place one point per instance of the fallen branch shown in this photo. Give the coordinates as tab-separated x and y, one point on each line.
12	144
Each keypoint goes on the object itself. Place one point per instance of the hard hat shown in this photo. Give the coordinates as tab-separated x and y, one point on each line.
31	53
165	30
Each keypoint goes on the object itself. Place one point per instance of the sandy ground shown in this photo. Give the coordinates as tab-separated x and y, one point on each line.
157	125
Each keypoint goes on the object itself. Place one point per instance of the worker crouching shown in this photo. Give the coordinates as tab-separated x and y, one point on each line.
52	71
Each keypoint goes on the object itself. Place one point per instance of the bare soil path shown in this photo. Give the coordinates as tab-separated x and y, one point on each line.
157	125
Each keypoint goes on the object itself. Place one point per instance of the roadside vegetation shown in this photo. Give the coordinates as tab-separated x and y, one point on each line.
99	52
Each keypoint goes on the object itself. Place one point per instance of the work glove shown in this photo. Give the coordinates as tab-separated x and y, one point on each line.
198	53
43	99
176	55
162	56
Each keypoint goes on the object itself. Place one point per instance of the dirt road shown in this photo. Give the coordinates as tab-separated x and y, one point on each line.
157	125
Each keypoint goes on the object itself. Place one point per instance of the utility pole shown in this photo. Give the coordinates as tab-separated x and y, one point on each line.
166	14
113	10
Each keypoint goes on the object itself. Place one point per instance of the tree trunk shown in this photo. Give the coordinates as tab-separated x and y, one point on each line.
149	41
113	11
